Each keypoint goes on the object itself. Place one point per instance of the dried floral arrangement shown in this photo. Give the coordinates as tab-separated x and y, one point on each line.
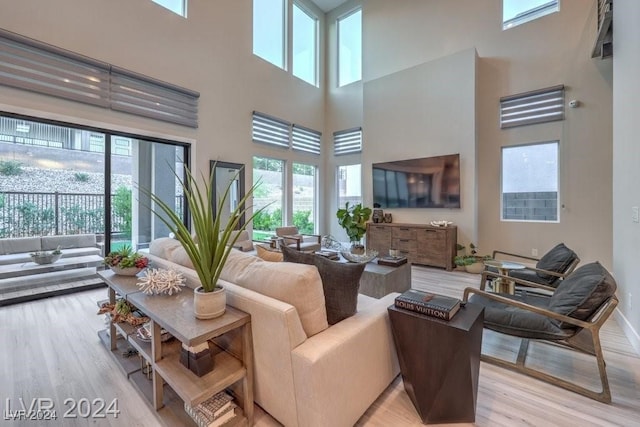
122	311
161	281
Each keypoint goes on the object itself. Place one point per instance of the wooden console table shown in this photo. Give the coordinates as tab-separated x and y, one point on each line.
175	314
420	243
440	362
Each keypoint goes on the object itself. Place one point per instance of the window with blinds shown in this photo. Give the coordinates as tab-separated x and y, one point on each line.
539	106
38	67
304	139
347	141
271	130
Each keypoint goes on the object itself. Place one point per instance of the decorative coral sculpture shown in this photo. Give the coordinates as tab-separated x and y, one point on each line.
161	281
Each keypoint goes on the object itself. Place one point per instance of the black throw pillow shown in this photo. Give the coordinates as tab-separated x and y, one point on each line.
340	282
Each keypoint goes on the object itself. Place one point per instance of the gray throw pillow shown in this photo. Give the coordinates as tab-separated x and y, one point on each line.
340	282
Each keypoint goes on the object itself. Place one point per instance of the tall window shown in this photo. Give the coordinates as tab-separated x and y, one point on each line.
350	48
349	184
305	42
516	12
269	30
270	172
530	182
176	6
304	197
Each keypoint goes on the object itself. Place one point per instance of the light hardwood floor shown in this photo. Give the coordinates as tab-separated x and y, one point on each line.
50	349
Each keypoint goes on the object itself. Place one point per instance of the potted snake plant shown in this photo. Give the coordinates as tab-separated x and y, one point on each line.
209	243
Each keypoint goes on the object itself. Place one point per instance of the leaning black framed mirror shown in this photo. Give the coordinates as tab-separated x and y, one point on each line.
225	173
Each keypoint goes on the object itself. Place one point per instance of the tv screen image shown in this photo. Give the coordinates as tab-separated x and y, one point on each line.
429	182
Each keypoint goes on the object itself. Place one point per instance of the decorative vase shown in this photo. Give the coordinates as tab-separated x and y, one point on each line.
208	305
357	248
475	268
126	271
45	258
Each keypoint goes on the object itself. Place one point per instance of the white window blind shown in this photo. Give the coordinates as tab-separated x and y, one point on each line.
38	67
347	141
539	106
305	139
53	72
137	94
270	130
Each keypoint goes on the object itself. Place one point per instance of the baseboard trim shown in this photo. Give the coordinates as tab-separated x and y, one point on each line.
631	334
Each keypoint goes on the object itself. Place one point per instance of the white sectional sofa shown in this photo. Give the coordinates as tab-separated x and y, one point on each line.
307	373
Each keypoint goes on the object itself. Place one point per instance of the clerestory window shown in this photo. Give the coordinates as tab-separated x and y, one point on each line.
178	7
516	12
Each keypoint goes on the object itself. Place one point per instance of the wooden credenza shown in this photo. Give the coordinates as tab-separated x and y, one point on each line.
420	243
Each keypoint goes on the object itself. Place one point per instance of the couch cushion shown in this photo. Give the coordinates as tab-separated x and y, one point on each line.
179	256
581	293
340	282
50	243
557	259
298	285
518	322
163	246
268	254
20	245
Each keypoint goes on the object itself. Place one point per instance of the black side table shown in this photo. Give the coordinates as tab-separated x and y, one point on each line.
440	361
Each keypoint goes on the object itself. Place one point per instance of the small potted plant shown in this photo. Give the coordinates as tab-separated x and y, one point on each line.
354	221
472	263
125	261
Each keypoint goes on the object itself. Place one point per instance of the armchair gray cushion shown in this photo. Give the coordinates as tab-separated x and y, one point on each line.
340	282
558	259
518	322
579	295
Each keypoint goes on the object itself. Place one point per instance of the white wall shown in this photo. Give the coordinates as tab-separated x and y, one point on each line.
426	110
555	49
626	162
210	52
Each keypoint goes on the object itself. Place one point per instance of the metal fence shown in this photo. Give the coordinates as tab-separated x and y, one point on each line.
25	214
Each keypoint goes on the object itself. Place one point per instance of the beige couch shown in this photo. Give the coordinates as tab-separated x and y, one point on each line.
306	373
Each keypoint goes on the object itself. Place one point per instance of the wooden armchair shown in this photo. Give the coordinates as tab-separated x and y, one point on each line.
549	270
572	316
301	242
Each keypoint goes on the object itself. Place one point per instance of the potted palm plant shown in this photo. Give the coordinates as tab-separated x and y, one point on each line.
354	221
209	245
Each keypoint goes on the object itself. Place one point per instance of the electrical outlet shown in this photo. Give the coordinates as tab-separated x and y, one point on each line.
534	252
635	214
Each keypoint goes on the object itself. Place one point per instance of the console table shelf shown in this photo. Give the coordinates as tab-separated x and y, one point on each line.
174	313
420	243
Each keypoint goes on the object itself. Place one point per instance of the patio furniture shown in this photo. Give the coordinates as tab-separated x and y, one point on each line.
572	316
549	270
301	242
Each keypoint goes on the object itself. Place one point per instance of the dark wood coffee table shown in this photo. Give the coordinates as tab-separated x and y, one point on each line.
440	362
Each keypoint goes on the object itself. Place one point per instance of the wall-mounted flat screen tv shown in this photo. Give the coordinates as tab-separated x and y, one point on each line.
429	182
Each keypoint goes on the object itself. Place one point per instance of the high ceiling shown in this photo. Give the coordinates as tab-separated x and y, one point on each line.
327	5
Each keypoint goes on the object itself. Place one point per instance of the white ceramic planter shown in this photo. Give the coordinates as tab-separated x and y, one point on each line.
127	271
475	268
208	305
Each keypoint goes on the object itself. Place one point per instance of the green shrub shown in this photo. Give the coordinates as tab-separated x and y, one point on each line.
301	220
121	205
10	167
81	176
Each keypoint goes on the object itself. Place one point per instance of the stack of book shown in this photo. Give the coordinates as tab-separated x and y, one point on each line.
213	412
392	261
328	254
433	305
